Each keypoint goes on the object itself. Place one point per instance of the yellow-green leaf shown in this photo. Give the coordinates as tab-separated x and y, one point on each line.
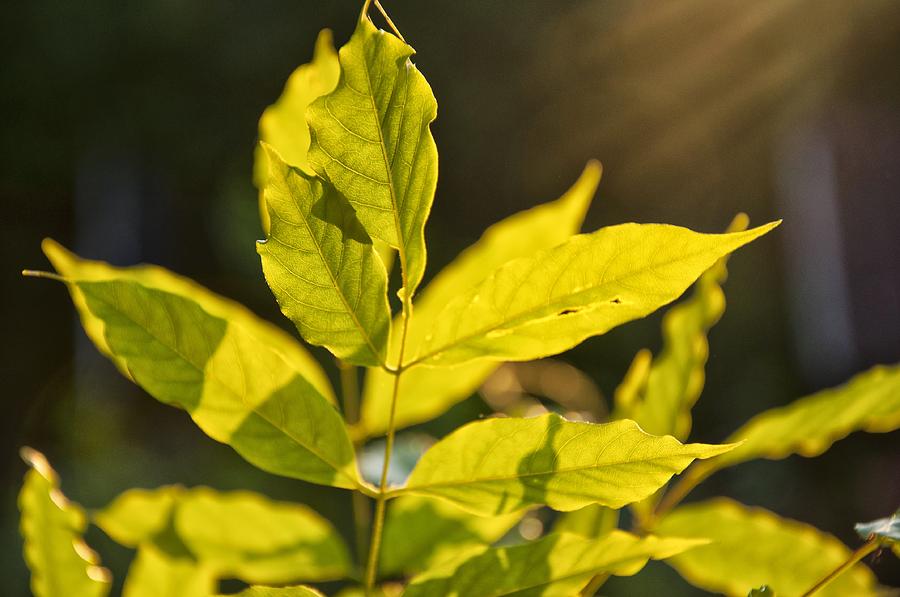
420	532
298	591
503	465
555	565
371	139
283	124
542	305
426	392
750	547
60	561
139	515
590	521
322	267
219	366
154	572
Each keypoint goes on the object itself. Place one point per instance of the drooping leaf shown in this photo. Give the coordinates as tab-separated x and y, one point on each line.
542	305
371	139
751	546
283	124
155	572
503	465
322	267
220	366
426	392
591	521
887	529
421	532
298	591
558	564
60	561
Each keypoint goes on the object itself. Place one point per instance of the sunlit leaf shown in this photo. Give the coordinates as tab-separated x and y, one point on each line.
283	124
298	591
155	572
590	521
426	392
541	305
371	139
139	515
60	561
751	546
503	465
322	267
220	366
420	532
555	565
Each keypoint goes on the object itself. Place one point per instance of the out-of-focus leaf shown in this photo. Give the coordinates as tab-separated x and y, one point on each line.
371	139
421	532
887	529
427	392
298	591
590	521
138	515
555	565
503	465
60	561
154	573
218	365
751	546
547	303
322	267
283	124
763	591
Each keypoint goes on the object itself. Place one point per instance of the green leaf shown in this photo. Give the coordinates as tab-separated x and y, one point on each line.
426	392
298	591
218	365
503	465
60	561
590	521
545	304
751	547
139	515
155	572
421	532
322	267
887	529
555	565
371	139
283	124
763	591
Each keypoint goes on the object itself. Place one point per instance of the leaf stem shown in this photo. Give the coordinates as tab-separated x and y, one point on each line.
695	475
867	548
389	21
362	514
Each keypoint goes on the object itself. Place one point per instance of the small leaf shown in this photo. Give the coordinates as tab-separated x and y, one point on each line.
154	573
216	361
555	565
887	529
545	304
427	392
297	591
591	521
503	465
283	124
371	139
322	267
751	546
60	561
421	532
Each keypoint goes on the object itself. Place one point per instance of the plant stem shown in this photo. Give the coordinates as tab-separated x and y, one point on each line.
695	475
855	557
362	515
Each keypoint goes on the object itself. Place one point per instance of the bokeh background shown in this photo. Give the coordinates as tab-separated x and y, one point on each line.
128	130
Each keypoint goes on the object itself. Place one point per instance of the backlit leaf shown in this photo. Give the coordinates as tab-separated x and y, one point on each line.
751	546
154	573
590	521
371	139
503	465
298	591
322	267
60	561
218	365
542	305
139	515
558	564
426	392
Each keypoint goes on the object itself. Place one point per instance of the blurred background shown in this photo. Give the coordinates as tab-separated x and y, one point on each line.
128	133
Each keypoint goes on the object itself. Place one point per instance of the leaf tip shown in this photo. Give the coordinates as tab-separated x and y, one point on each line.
37	461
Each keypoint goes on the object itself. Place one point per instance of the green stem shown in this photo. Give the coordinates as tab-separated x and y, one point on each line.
695	475
592	587
362	514
855	557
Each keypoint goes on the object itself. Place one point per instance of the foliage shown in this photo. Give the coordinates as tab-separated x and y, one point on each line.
347	171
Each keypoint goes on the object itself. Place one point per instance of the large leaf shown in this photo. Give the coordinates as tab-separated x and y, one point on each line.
322	267
420	532
236	534
751	547
555	565
371	138
542	305
426	392
218	365
590	521
283	124
60	561
503	465
155	572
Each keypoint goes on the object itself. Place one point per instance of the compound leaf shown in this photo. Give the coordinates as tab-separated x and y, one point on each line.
542	305
60	561
503	465
322	267
751	546
426	392
371	139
